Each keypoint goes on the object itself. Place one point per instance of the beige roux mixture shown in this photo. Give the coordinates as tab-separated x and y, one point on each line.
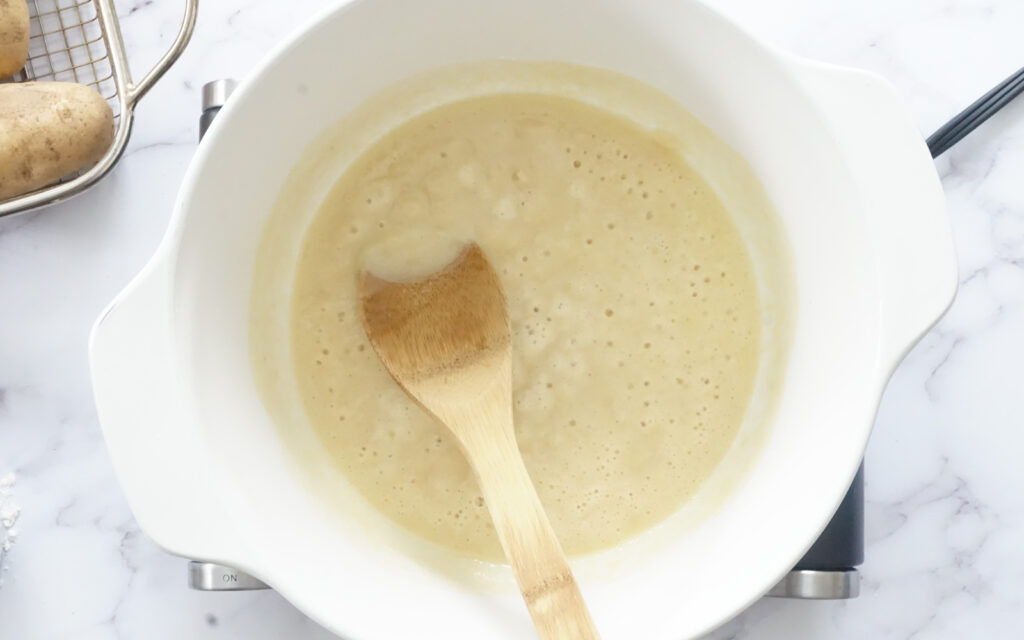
633	301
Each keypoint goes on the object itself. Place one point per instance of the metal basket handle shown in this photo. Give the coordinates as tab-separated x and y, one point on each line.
119	58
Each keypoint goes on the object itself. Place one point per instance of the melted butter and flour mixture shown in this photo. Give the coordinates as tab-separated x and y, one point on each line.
634	306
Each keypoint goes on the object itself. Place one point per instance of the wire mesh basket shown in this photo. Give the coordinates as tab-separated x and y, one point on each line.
80	41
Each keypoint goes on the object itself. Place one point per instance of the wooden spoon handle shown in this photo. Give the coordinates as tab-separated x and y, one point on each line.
545	579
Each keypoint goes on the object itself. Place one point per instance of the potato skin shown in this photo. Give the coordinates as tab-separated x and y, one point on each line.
13	36
49	130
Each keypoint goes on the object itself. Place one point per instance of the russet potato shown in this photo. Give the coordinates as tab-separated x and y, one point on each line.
49	130
13	36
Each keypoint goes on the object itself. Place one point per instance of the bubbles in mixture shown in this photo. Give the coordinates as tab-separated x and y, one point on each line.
633	305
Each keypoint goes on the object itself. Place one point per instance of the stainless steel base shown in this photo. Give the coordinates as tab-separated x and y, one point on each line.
818	585
207	576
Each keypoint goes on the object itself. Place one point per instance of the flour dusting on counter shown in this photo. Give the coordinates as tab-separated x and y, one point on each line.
9	512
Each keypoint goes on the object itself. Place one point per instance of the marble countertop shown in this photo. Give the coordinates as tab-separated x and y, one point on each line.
945	482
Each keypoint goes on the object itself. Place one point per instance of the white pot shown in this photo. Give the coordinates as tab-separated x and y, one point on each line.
202	466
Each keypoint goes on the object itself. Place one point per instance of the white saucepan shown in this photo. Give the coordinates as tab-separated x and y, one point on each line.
873	266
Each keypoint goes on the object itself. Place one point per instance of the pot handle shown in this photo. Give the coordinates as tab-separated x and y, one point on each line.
159	460
901	196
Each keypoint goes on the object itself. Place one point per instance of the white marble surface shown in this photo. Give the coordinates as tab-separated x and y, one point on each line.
945	513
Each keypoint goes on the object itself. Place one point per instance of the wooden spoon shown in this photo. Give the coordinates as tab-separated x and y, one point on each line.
446	340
